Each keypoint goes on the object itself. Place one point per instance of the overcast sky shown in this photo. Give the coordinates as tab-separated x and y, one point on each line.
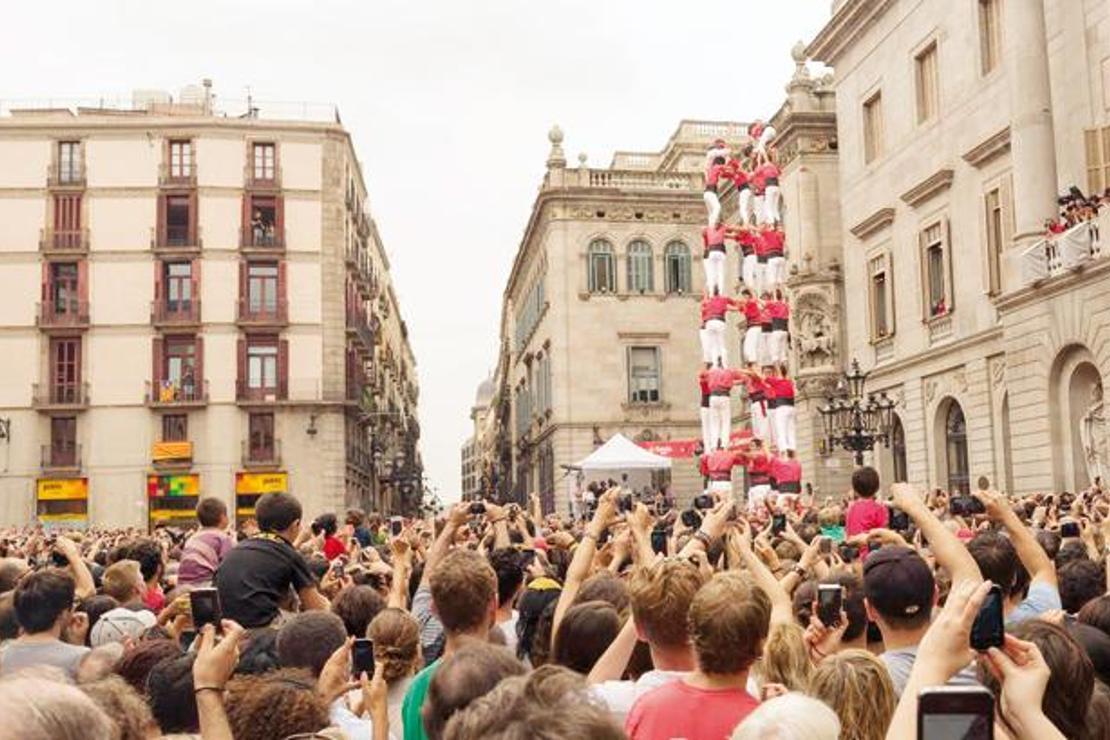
449	103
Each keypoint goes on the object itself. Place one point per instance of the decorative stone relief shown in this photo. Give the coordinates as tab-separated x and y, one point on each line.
998	372
930	390
814	330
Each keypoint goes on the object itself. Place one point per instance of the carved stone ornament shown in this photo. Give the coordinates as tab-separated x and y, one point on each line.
814	331
998	372
930	390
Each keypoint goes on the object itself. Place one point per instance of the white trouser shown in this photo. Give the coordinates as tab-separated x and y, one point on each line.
715	271
705	428
778	347
775	274
771	201
757	495
720	417
759	276
784	428
713	205
765	348
760	424
703	336
752	339
746	216
757	205
747	272
724	487
715	332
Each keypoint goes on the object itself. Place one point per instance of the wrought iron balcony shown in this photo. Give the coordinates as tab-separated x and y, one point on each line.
61	458
176	238
60	396
247	394
261	456
256	313
66	314
63	241
262	238
165	393
182	176
175	313
71	177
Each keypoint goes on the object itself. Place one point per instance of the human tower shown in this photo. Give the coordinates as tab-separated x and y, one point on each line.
767	448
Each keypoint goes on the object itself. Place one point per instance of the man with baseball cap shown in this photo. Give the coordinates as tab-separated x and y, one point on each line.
900	589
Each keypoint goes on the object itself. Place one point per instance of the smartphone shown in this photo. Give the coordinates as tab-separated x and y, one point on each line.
624	502
691	519
778	523
395	525
899	520
989	630
205	606
1069	529
659	541
362	657
955	713
337	567
849	553
824	547
830	601
477	508
703	501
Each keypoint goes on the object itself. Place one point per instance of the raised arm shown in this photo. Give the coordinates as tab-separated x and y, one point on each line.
82	578
579	567
1032	555
947	548
455	518
739	545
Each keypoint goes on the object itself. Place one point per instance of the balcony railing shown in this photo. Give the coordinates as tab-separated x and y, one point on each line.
1070	251
184	176
62	314
246	393
68	241
640	180
61	457
60	395
177	238
254	313
262	238
261	456
175	313
261	180
73	177
169	393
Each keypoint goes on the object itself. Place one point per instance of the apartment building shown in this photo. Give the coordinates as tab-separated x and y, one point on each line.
958	123
195	303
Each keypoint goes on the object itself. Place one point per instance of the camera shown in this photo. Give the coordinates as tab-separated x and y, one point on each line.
691	519
624	503
703	501
964	505
477	508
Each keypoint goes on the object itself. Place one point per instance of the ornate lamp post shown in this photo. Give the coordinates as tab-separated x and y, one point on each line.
855	422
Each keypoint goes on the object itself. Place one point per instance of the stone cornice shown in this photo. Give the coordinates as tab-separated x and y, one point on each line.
986	150
932	185
919	360
853	19
877	220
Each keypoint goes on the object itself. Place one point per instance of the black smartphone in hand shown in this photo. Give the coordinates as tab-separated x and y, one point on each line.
830	602
362	657
955	713
778	523
204	603
989	629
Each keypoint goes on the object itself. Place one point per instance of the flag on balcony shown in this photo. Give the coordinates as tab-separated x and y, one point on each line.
159	486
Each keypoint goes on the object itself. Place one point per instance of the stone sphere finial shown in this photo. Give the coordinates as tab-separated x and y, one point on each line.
556	159
582	159
555	135
798	52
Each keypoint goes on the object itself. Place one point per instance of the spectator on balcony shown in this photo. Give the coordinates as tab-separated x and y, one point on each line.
188	389
258	228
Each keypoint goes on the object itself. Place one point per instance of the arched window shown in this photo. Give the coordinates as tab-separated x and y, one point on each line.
677	268
898	450
602	277
641	273
955	436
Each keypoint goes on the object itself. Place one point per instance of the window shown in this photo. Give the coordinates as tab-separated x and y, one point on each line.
643	375
179	365
262	289
936	288
641	276
898	451
1097	144
881	299
264	227
178	277
175	428
261	436
63	440
545	381
677	259
67	214
530	311
63	288
925	65
179	220
65	370
955	434
181	159
69	162
262	364
873	127
990	35
602	275
263	161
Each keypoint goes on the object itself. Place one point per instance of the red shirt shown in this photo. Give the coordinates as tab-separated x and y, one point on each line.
678	710
719	463
768	171
703	383
755	386
778	309
715	306
760	466
739	177
713	174
785	470
721	378
773	241
713	237
748	241
751	311
333	548
779	387
155	599
865	514
764	315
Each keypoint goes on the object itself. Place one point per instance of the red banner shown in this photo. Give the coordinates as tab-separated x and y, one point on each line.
684	448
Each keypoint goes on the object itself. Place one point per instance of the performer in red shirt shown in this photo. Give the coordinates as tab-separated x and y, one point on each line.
786	477
713	237
781	402
715	166
764	135
720	380
703	337
715	308
748	240
763	250
769	174
703	409
759	479
766	326
774	246
757	400
753	332
741	179
779	311
718	465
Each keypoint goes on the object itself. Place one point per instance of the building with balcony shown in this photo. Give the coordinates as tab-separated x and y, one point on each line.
197	302
599	328
957	123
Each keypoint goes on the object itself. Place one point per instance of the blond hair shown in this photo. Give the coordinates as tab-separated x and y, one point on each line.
122	579
728	622
660	595
857	686
396	637
830	516
794	716
785	658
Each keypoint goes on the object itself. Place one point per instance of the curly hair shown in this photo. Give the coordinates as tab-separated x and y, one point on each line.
273	705
123	705
135	665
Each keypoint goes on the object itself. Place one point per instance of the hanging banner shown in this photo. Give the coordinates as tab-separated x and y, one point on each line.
171	451
159	486
65	489
259	483
684	448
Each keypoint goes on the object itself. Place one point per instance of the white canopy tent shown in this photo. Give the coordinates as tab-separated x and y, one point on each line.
622	454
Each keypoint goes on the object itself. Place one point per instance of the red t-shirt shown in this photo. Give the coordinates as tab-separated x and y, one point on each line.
721	378
719	463
778	309
779	387
333	548
713	237
678	710
865	514
751	311
773	241
715	306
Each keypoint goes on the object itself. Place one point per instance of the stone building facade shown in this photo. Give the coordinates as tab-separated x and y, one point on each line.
600	315
193	304
957	124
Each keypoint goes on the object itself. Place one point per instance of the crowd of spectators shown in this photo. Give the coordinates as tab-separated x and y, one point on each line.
503	622
1076	208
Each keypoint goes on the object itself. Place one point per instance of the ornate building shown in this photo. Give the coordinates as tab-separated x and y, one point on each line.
599	320
957	124
196	302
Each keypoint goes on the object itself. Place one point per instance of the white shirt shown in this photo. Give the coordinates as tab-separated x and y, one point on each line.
619	696
508	628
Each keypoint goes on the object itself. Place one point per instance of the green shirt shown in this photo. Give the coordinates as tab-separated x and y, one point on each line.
414	703
836	533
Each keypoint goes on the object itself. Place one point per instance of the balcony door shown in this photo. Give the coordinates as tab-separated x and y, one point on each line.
63	440
179	366
65	369
179	287
262	289
64	288
261	437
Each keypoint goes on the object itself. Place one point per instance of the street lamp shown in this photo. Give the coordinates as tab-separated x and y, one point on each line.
855	422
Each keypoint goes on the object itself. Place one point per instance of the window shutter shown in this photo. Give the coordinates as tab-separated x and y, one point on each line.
282	291
199	362
160	227
156	366
628	373
243	303
279	215
283	369
45	282
241	365
83	281
949	285
159	275
245	226
195	280
194	219
890	322
1006	195
923	266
